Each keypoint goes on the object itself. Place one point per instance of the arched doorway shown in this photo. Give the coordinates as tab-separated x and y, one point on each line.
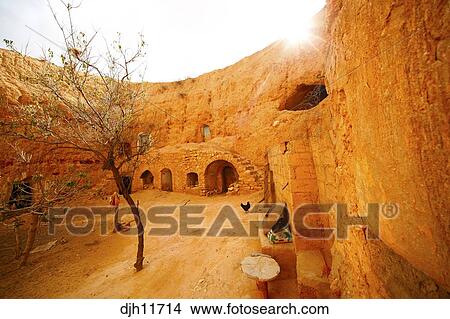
166	180
219	175
147	179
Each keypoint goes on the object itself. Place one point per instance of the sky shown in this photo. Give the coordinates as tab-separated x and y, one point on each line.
185	38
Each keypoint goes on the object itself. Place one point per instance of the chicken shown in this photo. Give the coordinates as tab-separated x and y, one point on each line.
246	207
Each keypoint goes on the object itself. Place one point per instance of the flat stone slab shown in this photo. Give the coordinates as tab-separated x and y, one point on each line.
260	267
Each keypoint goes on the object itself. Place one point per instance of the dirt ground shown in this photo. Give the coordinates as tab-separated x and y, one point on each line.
101	266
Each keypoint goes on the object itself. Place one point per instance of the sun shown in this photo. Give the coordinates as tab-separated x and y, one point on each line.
296	24
298	34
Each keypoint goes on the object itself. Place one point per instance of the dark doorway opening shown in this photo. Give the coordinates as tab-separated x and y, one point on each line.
147	179
228	177
305	97
192	180
166	180
21	194
219	175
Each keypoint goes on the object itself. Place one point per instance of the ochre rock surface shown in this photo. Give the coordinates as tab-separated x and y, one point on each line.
387	141
381	135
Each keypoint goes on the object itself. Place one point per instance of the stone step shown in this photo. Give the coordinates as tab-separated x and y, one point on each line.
312	274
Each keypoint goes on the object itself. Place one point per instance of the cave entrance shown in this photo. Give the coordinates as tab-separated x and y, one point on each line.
127	181
192	180
219	175
305	97
166	180
21	194
147	179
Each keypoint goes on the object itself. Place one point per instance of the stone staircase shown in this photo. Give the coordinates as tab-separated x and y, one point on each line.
252	174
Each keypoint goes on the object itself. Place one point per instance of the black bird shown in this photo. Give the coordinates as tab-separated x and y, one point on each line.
283	220
245	207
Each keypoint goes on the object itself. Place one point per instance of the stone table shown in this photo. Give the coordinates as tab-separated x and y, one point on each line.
262	268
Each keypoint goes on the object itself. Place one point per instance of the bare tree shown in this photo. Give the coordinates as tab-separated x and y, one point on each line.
91	105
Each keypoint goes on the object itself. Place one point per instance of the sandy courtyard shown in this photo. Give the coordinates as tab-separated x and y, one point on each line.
97	266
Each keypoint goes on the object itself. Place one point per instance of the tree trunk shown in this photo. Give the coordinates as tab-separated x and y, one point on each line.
16	232
138	265
140	228
30	239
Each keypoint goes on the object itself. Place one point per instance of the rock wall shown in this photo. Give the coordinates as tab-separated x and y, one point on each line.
381	137
386	140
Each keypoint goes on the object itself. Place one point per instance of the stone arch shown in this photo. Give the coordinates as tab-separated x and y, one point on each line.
166	180
147	179
219	175
192	180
